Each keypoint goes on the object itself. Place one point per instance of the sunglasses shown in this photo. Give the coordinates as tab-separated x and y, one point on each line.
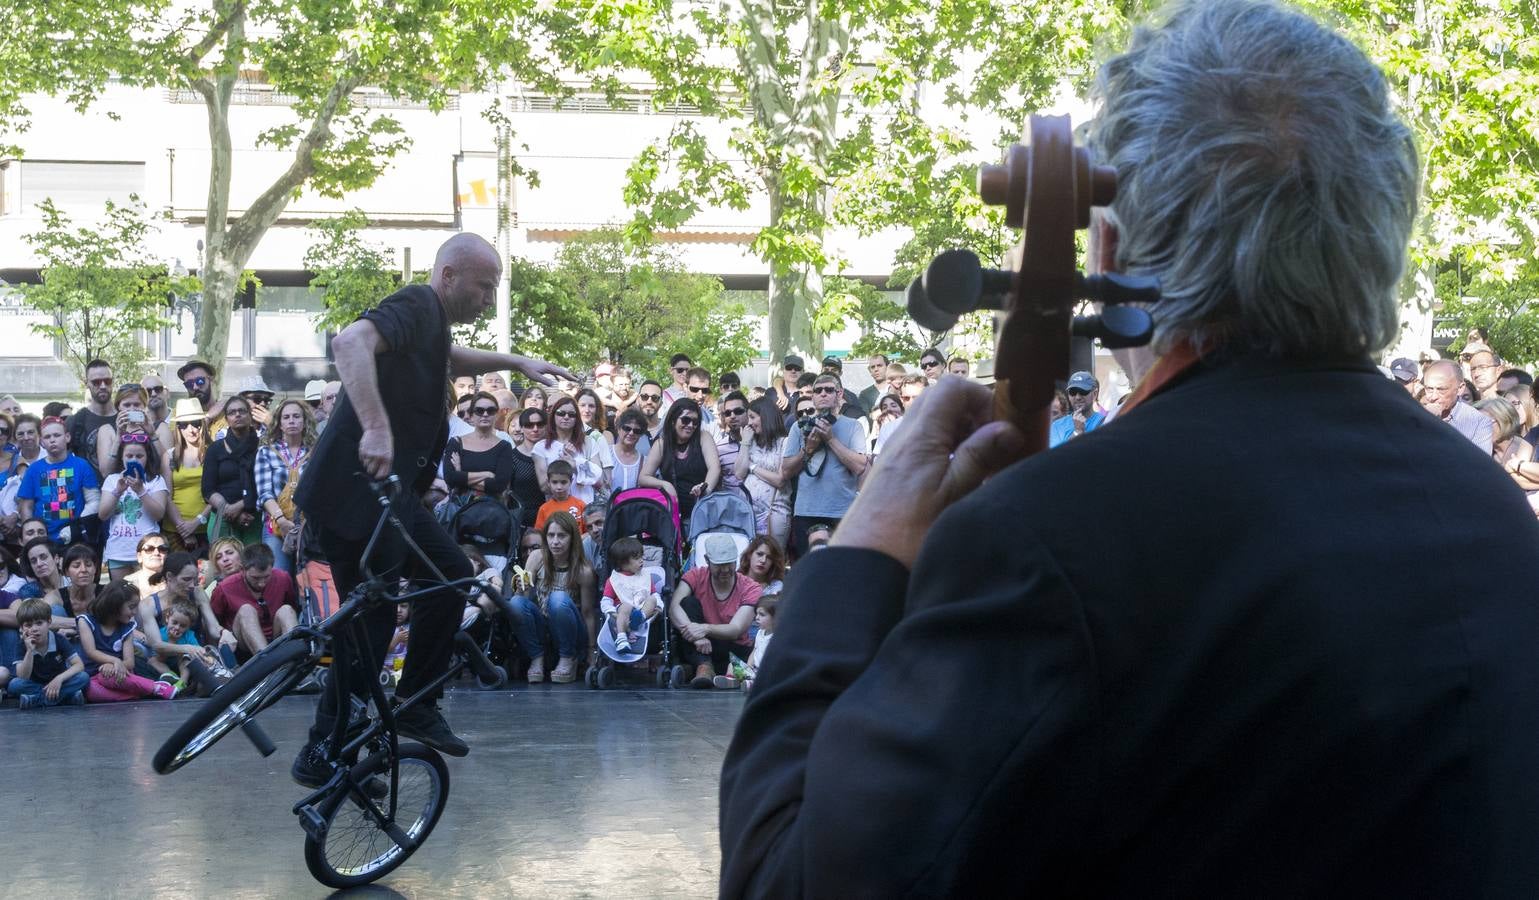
257	399
932	364
793	368
699	390
154	548
681	369
155	391
652	397
196	384
825	389
314	404
688	421
565	414
805	410
736	411
483	411
101	382
189	424
1076	392
535	423
633	429
5	432
134	437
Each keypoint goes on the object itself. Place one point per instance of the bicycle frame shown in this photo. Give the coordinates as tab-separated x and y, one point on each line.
345	630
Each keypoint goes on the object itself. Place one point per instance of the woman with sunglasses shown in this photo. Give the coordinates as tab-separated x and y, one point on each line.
564	439
151	553
480	464
279	463
680	464
525	483
134	500
133	418
630	450
229	477
189	511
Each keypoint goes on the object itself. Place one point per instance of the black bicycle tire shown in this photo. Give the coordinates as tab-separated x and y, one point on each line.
289	661
378	764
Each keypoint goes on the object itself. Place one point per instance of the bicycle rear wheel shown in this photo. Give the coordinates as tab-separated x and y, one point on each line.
355	849
258	684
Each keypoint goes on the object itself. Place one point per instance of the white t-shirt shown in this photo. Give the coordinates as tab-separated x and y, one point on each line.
589	465
130	522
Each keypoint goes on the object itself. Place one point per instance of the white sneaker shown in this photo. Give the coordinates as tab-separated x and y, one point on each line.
622	643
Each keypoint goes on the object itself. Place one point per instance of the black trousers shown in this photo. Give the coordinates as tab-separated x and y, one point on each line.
435	618
720	649
800	525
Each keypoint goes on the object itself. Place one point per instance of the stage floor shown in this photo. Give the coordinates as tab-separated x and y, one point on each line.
567	792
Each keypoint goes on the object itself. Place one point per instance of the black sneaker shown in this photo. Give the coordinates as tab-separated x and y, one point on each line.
426	724
312	769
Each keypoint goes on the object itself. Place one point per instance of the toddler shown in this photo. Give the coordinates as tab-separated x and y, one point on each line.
107	648
50	671
745	673
630	596
189	659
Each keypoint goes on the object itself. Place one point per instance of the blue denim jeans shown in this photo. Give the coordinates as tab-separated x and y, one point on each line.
281	560
21	687
10	647
560	618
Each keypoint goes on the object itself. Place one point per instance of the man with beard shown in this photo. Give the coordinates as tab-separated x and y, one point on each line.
392	420
155	392
198	378
1083	390
649	399
98	411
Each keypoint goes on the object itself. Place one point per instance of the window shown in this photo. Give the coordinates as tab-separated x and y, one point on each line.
284	324
77	184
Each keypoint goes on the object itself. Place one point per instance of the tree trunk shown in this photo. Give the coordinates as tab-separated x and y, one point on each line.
793	291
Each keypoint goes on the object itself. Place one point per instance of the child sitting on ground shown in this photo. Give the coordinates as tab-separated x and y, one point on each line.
630	595
745	673
107	647
559	476
190	661
50	671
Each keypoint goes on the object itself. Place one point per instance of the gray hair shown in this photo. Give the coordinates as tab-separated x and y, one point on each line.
1504	416
1263	178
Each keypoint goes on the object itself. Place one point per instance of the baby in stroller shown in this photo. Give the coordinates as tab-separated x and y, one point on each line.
631	598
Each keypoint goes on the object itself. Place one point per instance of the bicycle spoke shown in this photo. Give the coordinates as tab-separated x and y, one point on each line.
355	842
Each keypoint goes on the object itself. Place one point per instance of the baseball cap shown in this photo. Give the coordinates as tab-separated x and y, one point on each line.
1404	369
720	549
314	390
1083	381
833	361
794	360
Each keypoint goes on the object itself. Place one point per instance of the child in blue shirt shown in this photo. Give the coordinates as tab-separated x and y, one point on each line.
61	488
50	672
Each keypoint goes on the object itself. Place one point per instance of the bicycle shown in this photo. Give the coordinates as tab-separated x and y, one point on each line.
351	837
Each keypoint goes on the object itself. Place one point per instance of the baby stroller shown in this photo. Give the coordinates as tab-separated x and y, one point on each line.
653	518
724	512
495	528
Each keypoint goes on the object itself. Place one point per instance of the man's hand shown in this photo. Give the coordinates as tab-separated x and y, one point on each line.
1080	420
227	638
819	435
376	452
932	463
542	372
261	415
51	689
703	645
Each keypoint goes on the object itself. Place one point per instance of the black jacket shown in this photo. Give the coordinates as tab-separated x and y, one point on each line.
413	374
1265	635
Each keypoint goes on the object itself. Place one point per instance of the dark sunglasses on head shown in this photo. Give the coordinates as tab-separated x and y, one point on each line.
483	410
196	384
130	386
650	396
825	389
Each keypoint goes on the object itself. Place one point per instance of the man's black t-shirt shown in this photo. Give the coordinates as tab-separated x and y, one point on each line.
413	371
82	428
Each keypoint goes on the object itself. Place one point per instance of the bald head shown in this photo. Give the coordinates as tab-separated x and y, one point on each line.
466	273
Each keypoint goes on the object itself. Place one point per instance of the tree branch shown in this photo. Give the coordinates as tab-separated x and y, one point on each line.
194	56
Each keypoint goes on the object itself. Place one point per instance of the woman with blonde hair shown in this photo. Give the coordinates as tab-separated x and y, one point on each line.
1507	424
224	560
280	460
133	417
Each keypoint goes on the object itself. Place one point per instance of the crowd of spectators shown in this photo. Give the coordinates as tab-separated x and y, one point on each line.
151	541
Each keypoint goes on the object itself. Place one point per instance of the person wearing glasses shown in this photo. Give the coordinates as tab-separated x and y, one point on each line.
649	399
783	386
86	423
565	439
932	363
678	366
630	449
849	403
150	559
229	477
189	511
1485	370
698	382
680	464
197	379
156	399
729	439
133	418
481	464
525	483
824	455
1441	381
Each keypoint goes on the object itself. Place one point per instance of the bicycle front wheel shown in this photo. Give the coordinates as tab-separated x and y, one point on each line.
356	848
258	684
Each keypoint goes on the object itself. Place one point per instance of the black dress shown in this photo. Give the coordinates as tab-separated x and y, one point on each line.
684	474
525	485
498	460
229	470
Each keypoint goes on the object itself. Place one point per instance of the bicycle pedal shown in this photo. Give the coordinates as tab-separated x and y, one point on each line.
312	822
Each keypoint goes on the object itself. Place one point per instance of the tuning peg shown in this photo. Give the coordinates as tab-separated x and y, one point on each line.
957	282
1112	288
1117	327
926	313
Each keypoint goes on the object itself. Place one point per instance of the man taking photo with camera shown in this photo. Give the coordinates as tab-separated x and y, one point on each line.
822	453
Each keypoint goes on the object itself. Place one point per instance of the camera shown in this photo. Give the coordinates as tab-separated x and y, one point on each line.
807	423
